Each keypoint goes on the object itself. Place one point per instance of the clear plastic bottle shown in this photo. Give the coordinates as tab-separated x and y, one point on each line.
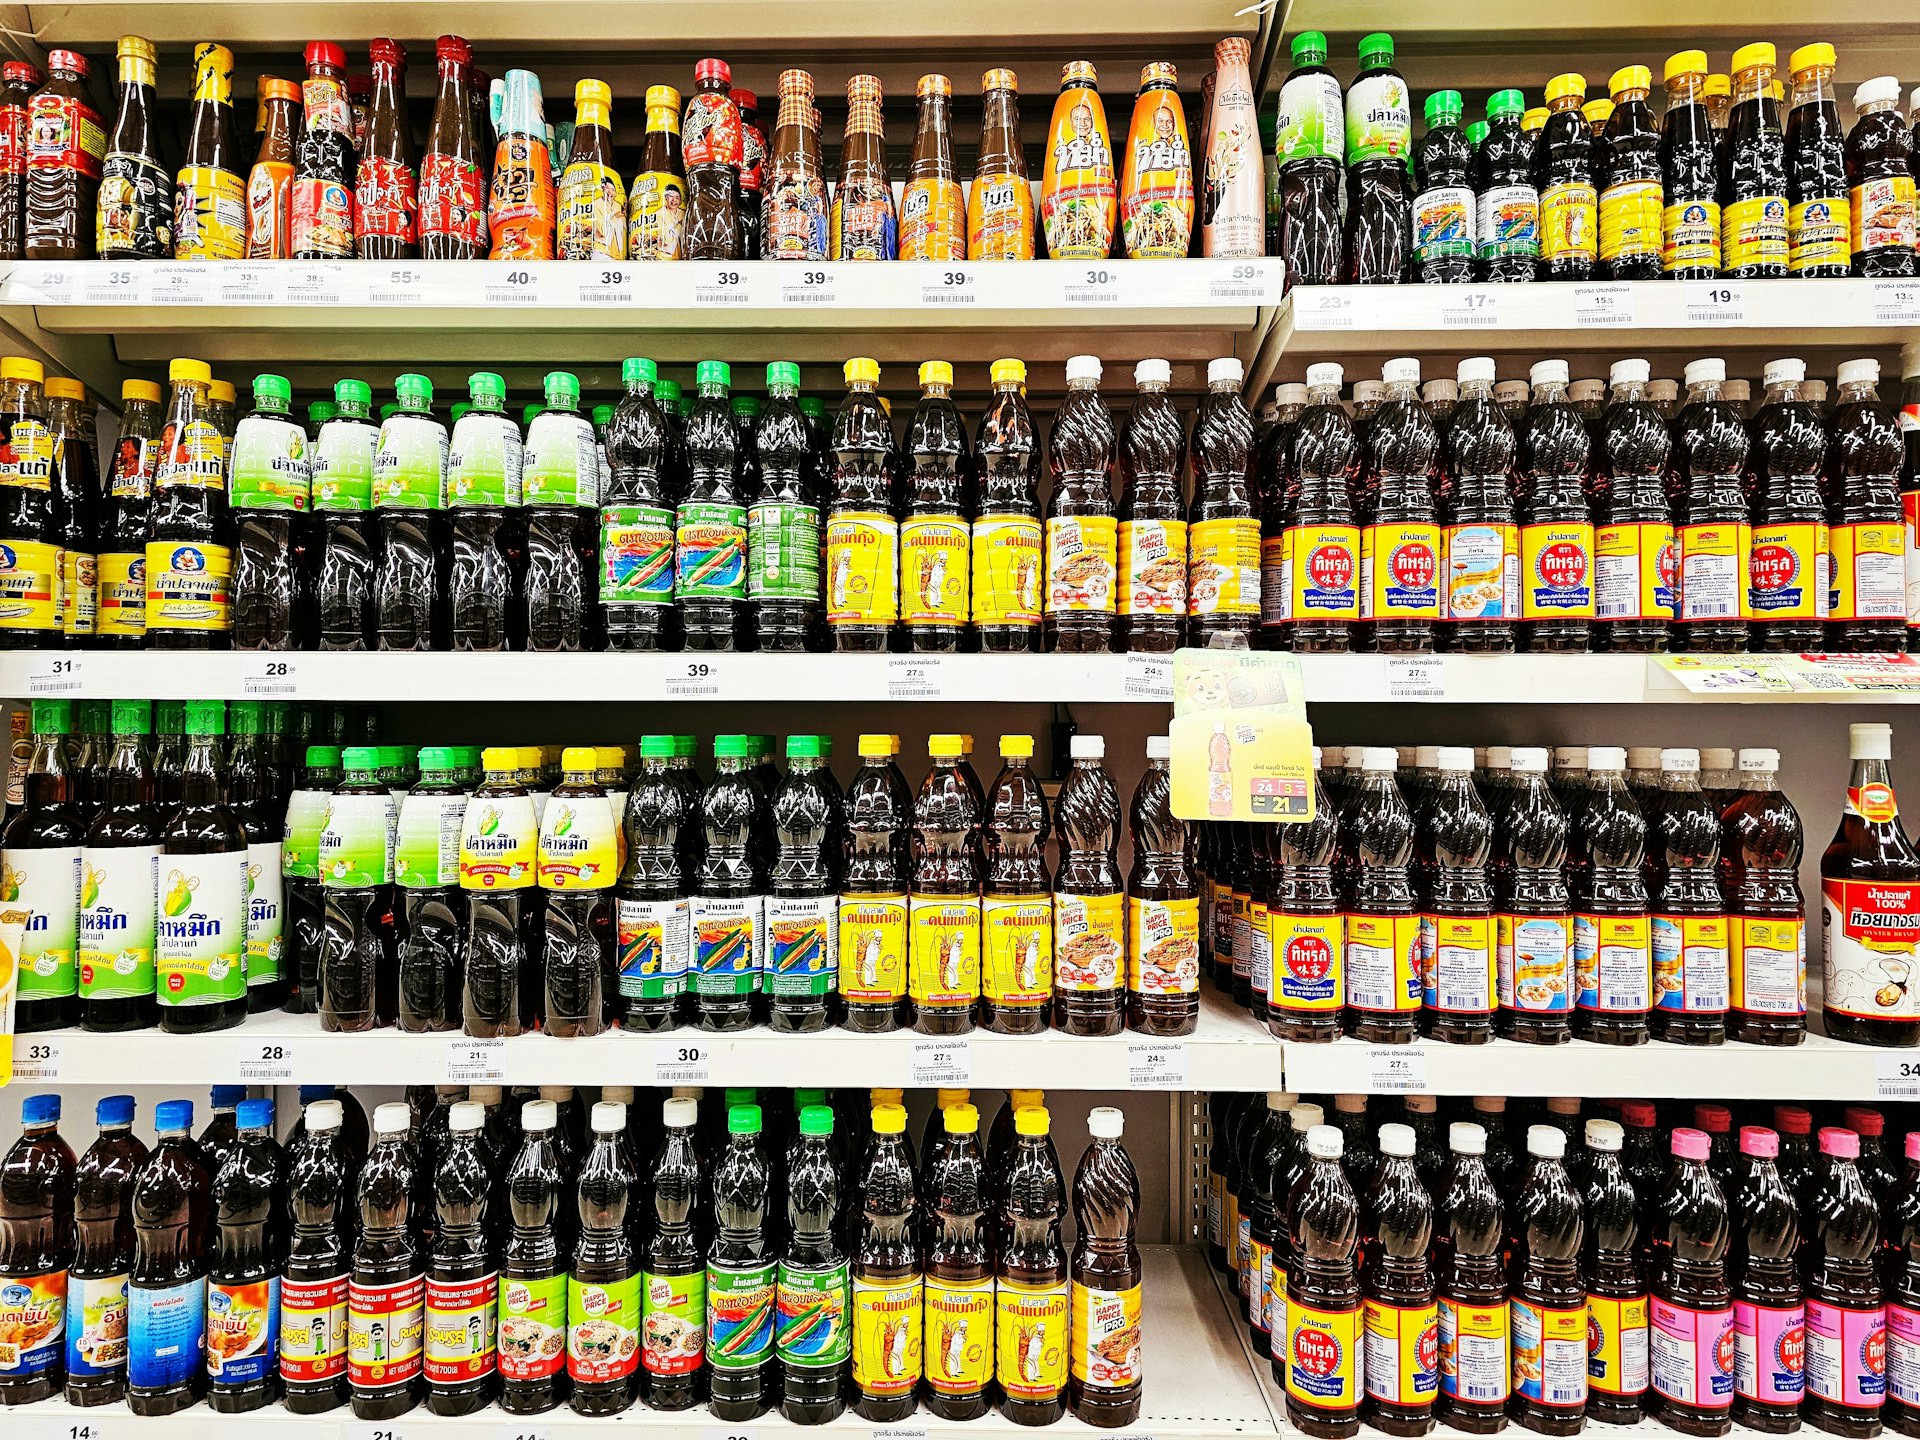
1789	563
1689	921
1636	561
1612	940
604	1287
1534	920
710	525
561	488
944	913
1755	188
1458	950
1556	529
1379	131
1105	1273
1760	848
1690	213
344	569
1322	1367
358	948
1818	231
1482	553
1692	1313
1382	926
485	459
268	486
167	1282
1879	166
863	562
1315	591
1153	534
1223	533
1617	1358
1710	448
1399	586
936	542
1548	1309
728	895
577	865
1507	199
1401	1309
499	843
1443	203
1564	172
409	496
1081	529
813	1310
1865	453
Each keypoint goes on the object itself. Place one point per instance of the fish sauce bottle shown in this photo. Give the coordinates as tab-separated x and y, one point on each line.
1460	982
103	1243
1009	555
200	935
1382	924
1846	1337
268	487
134	209
710	524
1689	921
1769	1313
1476	1369
485	460
729	893
873	910
561	487
499	858
887	1286
167	1282
813	1339
1564	173
1263	1203
959	1331
1443	202
784	530
349	546
1401	1309
1163	908
1089	899
1317	581
935	540
862	221
42	856
1692	1313
1399	530
1321	1351
673	1278
637	520
1789	563
1548	1308
1307	935
1879	165
1310	143
1152	539
1081	529
1556	531
653	939
37	1207
604	1287
1903	1293
740	1274
1690	225
1864	457
1017	904
1612	940
802	961
255	795
358	949
300	869
944	913
1482	545
863	561
409	496
1379	135
243	1283
1754	181
532	1316
1616	1290
1534	920
578	862
461	1355
1507	197
1223	532
933	210
1818	225
1628	170
1031	1292
1000	203
120	566
1105	1373
1710	447
1636	559
1761	840
1156	178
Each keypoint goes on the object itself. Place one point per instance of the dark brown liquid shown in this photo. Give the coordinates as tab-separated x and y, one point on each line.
209	211
385	225
318	1183
1864	849
1376	837
1307	985
1153	453
713	149
1451	861
65	143
1030	1255
533	1370
172	1214
1608	842
1163	924
1007	466
1844	1395
202	825
19	81
877	811
1766	1239
1398	1279
1324	1229
135	220
1016	828
1544	1252
1090	963
864	223
1468	1233
1610	1263
886	1253
37	1222
1080	586
453	192
130	819
945	821
103	1238
1760	847
958	1259
1106	1197
388	1254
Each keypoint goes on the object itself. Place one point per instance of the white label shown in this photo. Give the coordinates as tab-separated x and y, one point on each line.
600	283
681	1062
1324	307
36	1057
1148	677
313	285
267	676
1893	1077
267	1062
1090	284
1394	1067
1715	302
692	679
519	283
177	285
725	285
1416	677
1896	302
111	284
809	285
476	1060
395	285
950	284
1156	1065
56	675
915	678
940	1062
1603	305
247	285
1469	307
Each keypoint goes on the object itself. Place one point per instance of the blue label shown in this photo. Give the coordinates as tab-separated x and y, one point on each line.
96	1326
166	1334
33	1322
243	1331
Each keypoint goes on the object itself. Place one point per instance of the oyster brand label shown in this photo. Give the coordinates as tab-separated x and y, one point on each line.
166	1333
1081	558
934	555
887	1335
462	1327
96	1324
243	1331
484	461
740	1315
1767	965
1323	1356
1016	938
1769	1352
1612	962
1692	1353
1009	557
1870	937
313	1328
1163	946
726	944
603	1328
1617	1344
636	555
1106	1335
959	1335
863	568
1533	962
673	1323
1308	961
810	1325
386	1333
33	1317
50	884
943	966
654	940
1090	941
532	1328
1690	963
802	935
1402	1352
1476	1363
1030	1339
1153	567
1383	962
200	937
1549	1353
453	201
1847	1354
873	948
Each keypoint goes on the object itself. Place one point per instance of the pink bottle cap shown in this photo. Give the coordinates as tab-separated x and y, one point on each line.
1913	1145
1691	1144
1863	1120
1714	1119
1758	1140
1792	1120
1843	1143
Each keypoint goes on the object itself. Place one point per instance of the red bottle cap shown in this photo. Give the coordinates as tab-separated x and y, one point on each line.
386	52
20	70
1864	1120
1913	1144
714	70
452	47
325	52
1714	1119
1691	1144
745	99
1835	1141
1792	1120
1640	1114
67	60
1758	1140
360	86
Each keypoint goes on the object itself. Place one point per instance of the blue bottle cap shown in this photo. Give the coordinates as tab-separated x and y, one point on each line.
40	1110
114	1110
311	1093
226	1097
256	1114
172	1117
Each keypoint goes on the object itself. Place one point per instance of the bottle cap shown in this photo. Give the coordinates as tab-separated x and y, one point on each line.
1225	369
1709	371
1563	1105
1087	747
1546	1142
816	1120
1561	86
562	389
187	372
1083	367
732	747
1633	77
1792	1120
935	372
1016	746
1685	62
1466	1138
1305	1115
743	1120
1106	1123
1808	56
1863	1120
61	388
113	1110
1475	368
1913	1145
1857	372
1490	1104
944	746
1606	757
1870	742
1548	372
782	373
463	1118
1014	372
861	370
1754	762
227	1097
1529	760
1325	1143
1325	375
1456	759
1281	1101
1395	1140
45	1110
1881	90
1498	757
1758	1140
1628	372
1717	757
206	717
1443	105
1368	391
1784	372
1680	762
1378	46
1402	371
1761	55
1843	1144
1147	372
1030	1120
578	759
1309	47
324	1115
393	1118
961	1119
1604	1135
1503	103
1639	1114
1643	757
1159	747
170	1117
713	372
1691	1144
1714	1119
539	1115
361	759
889	1119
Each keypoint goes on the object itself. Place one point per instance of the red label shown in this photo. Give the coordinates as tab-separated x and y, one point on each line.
1874	801
1772	567
1309	957
1886	910
452	201
1414	565
1563	565
322	219
1331	567
1315	1352
13	140
384	201
64	134
753	155
313	1328
710	134
386	1329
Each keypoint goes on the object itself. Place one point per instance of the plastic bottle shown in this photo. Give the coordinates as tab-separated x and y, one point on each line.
1789	566
243	1287
1548	1310
578	862
1400	535
1507	204
1710	516
1460	982
606	1293
1078	193
167	1282
499	839
1008	555
1612	943
1322	1367
1262	1202
959	1274
200	936
1755	186
409	493
1081	529
254	796
1474	1333
1379	133
533	1271
1864	458
1636	560
1310	143
461	1355
358	955
1443	205
1031	1299
40	850
1693	1324
1401	1311
1089	900
1534	923
873	920
1152	538
103	1240
1163	908
344	571
653	938
637	520
1556	531
1817	196
520	198
784	521
1628	169
812	1335
1870	879
1000	204
862	555
1879	169
1223	569
727	923
1759	872
1105	1275
1307	933
34	520
935	541
313	1290
944	914
657	201
484	464
268	486
802	959
1310	574
1616	1291
673	1269
561	489
1769	1314
1482	551
1017	908
37	1209
1382	926
1564	172
740	1272
190	527
1903	1326
1690	214
887	1287
75	482
1232	186
1157	177
710	534
1689	921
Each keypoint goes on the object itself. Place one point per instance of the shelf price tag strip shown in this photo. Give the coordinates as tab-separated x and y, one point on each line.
1393	1068
472	1061
267	1062
940	1062
1157	1065
36	1058
681	1062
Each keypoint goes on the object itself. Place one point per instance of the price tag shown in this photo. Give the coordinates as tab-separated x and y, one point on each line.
1148	677
1325	307
177	285
1603	305
315	284
267	1062
56	675
532	1430
1894	1078
395	285
93	1429
1416	677
1090	284
915	678
1715	302
110	284
601	283
899	1432
724	1432
1240	282
725	285
374	1430
244	284
692	680
681	1062
470	1060
1156	1065
36	1057
810	285
1469	307
950	284
511	284
269	678
50	283
1896	302
940	1062
1396	1067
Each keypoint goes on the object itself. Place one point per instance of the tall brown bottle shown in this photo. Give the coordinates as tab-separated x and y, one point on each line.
1870	892
713	148
134	214
943	963
591	221
18	81
863	222
657	203
1105	1272
753	170
209	195
960	1289
386	196
1016	911
1089	899
1163	907
793	216
1000	209
324	163
453	188
66	145
1030	1274
270	183
933	212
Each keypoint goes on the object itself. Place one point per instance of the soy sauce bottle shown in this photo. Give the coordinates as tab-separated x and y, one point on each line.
1401	1305
1710	513
533	1272
1818	232
1627	165
1789	555
1549	1305
1507	203
959	1272
1692	1311
1534	921
1689	179
1322	1366
1879	163
37	1206
1753	174
1769	1314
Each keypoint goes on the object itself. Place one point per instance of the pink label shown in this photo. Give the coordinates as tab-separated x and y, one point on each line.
1769	1353
1693	1354
1847	1354
1903	1355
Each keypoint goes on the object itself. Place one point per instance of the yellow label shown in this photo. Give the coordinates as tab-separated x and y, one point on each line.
1460	976
1309	971
1030	1349
1382	962
1322	1356
1869	567
933	220
1223	567
1324	570
1787	572
1767	965
886	1335
656	216
1000	217
197	456
209	214
187	585
1569	222
1636	569
30	575
1630	215
1754	232
1403	1352
1016	938
79	595
1617	1345
873	948
1153	567
591	214
943	958
1713	571
1400	570
1090	941
1276	578
578	847
1882	213
1081	555
960	1324
1556	571
1163	946
1819	233
27	459
863	568
1690	235
934	550
1008	560
1106	1336
122	588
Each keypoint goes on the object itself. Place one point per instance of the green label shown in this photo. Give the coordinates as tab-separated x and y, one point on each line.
300	849
343	465
119	891
533	1327
783	551
603	1328
740	1310
1312	120
636	555
426	848
726	944
47	882
802	949
484	460
356	842
710	552
200	938
410	465
563	461
674	1330
271	465
266	912
652	945
811	1328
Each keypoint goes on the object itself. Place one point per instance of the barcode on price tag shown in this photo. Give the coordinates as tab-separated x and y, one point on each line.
1716	302
36	1058
1148	677
1463	307
1416	677
247	285
911	678
1391	1067
1324	308
269	678
476	1060
940	1062
1894	1078
1091	285
1603	305
681	1062
266	1062
604	285
111	284
512	285
1156	1064
177	285
314	285
396	285
52	676
724	285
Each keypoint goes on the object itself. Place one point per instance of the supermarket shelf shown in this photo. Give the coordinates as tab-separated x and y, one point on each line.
1818	1066
1197	1386
1228	1051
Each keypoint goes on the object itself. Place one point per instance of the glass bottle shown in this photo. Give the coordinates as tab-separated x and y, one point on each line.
135	201
657	203
794	218
591	202
933	212
453	186
210	202
64	146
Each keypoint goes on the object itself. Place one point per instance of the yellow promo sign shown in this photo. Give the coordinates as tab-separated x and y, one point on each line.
13	928
1242	748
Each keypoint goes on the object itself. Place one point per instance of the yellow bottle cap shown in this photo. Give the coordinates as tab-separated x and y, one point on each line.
1030	1120
496	758
60	388
134	47
1807	56
530	756
893	744
936	372
190	372
663	97
1717	85
1561	86
860	368
1684	62
1079	72
1632	77
15	367
889	1119
1023	1098
944	746
593	92
1598	111
1017	746
951	1095
610	757
576	759
875	746
885	1095
139	390
220	390
966	745
1008	372
1758	53
1534	118
961	1119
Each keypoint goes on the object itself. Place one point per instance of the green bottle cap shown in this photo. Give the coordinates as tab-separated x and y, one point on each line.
1477	133
530	413
747	405
1443	103
784	372
816	1120
743	1120
741	1095
1376	49
439	758
170	717
803	747
392	757
732	747
636	370
460	409
656	747
683	747
601	415
389	410
323	757
484	386
247	717
666	390
712	372
272	391
562	390
1309	48
417	388
1506	102
52	717
206	717
356	393
361	759
132	717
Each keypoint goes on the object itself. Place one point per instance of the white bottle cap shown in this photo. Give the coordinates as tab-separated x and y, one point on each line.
485	1094
1291	393
1466	1138
1629	372
1529	759
1087	747
1396	1140
1324	374
1105	1123
1606	757
1548	372
1605	1135
1716	757
1756	760
1546	1142
325	1115
1350	1104
1159	747
1881	89
466	1115
1282	1100
539	1115
680	1114
1700	372
1356	757
1379	758
1403	371
1475	367
1680	761
1426	757
1643	757
392	1119
622	1093
1316	757
1225	368
1307	1115
609	1117
1784	372
1153	372
1856	372
1324	1143
1457	759
1083	367
1870	742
